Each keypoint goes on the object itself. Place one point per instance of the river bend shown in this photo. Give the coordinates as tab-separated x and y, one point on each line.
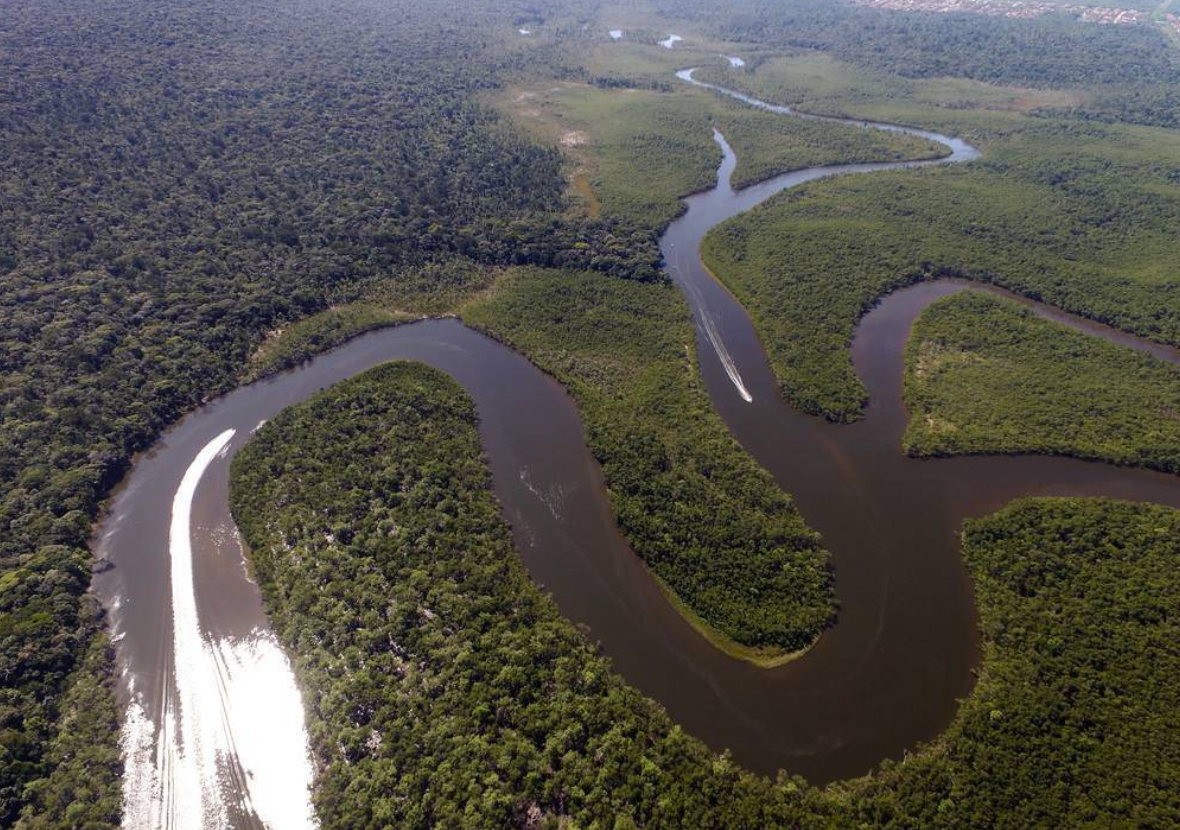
214	736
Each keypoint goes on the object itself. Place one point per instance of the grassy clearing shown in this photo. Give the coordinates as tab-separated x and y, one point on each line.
985	375
635	152
818	82
633	60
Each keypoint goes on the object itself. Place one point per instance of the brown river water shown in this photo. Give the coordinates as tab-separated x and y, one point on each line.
214	733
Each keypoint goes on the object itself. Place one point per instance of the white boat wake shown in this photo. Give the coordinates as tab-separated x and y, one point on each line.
707	325
727	361
232	715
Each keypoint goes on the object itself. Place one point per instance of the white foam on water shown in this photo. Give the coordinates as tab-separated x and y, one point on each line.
264	719
232	724
727	361
709	327
196	794
142	788
671	41
553	498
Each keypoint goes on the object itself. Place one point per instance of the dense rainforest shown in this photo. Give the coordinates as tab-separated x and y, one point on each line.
711	523
179	182
175	180
1075	214
445	690
984	375
1136	69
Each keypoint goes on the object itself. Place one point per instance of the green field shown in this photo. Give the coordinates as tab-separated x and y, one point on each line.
635	152
986	375
818	82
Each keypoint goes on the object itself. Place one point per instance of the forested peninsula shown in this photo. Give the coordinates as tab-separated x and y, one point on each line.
984	375
176	182
445	689
198	195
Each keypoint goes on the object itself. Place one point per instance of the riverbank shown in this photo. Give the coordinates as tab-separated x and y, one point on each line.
986	375
551	492
763	658
477	665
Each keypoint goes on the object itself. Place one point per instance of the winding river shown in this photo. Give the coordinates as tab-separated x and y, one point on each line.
214	731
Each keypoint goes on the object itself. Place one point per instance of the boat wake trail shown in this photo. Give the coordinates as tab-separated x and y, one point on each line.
705	322
232	716
709	327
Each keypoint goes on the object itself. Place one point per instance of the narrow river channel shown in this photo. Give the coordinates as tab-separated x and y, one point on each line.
214	733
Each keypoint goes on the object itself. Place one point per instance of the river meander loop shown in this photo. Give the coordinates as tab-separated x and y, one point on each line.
885	678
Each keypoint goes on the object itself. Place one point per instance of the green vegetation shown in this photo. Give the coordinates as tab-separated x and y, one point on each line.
818	82
1074	720
633	63
1118	73
986	375
1159	105
711	523
767	144
179	178
318	333
641	150
1080	216
432	288
82	788
47	628
1133	69
462	697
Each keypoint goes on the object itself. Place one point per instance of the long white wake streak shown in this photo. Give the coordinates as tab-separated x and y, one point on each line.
235	722
705	320
727	361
